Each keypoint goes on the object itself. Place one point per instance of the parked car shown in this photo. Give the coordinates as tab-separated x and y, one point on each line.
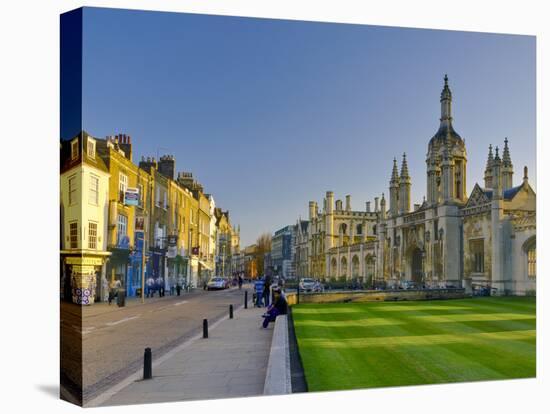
408	284
216	283
307	284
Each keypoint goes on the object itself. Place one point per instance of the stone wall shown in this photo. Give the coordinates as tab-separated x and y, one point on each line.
376	295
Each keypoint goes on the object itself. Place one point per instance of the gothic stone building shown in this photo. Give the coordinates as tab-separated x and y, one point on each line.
485	239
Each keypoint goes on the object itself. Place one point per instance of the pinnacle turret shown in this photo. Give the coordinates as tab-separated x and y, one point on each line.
404	167
506	159
394	173
490	158
446	99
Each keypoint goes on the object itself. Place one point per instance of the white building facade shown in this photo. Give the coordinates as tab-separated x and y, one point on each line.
486	239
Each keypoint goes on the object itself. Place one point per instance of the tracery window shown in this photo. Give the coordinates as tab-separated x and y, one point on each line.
478	257
532	262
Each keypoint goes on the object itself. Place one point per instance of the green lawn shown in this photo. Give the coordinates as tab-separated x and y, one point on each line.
379	344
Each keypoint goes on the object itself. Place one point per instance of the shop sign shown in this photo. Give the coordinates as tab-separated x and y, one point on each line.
131	197
140	223
79	260
83	270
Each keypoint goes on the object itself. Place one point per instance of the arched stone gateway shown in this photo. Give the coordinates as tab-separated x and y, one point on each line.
416	266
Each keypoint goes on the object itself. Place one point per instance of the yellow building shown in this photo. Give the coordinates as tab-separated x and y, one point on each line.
84	185
129	187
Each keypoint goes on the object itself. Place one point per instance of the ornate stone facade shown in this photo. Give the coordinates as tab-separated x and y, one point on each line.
487	239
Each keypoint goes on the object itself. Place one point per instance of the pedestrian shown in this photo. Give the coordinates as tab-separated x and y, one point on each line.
178	288
259	292
161	287
267	290
149	288
279	307
240	281
113	290
158	285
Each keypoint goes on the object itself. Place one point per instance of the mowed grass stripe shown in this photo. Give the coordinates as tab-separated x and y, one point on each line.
388	344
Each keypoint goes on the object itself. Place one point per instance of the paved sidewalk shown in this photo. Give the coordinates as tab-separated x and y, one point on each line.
232	362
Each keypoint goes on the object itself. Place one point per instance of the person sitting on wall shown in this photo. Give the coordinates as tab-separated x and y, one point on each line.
279	307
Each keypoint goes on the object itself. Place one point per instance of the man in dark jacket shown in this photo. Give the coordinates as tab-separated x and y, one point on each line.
280	307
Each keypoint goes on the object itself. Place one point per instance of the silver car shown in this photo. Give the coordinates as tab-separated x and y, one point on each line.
307	284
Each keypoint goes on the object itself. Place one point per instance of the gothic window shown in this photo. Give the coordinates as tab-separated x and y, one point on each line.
532	262
343	267
355	267
359	230
477	255
374	229
343	228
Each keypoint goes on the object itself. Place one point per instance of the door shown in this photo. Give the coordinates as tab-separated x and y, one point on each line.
416	266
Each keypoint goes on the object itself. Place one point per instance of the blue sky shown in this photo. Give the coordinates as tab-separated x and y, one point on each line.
269	114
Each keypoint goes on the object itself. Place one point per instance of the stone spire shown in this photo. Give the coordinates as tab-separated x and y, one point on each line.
404	187
404	167
394	190
446	100
507	167
394	172
497	176
489	169
383	208
490	157
506	159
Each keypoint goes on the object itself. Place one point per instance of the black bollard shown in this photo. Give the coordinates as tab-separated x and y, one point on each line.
205	328
230	311
246	299
147	364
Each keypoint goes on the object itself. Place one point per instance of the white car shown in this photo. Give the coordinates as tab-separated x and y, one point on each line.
216	283
307	284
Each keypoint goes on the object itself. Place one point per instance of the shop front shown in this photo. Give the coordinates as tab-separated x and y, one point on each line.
135	267
82	275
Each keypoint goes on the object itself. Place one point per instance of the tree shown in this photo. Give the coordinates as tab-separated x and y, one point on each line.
263	246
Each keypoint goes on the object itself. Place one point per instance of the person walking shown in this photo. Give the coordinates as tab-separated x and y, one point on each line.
149	288
240	282
267	290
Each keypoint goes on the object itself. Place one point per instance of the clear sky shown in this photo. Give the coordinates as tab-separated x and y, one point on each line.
269	114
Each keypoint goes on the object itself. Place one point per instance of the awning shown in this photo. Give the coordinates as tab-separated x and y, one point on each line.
203	264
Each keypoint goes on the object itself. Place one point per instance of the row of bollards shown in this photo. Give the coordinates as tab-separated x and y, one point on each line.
148	355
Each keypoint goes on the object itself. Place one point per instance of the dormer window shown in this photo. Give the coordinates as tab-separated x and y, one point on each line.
74	149
91	148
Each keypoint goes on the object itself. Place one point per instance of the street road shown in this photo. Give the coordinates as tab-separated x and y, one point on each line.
113	338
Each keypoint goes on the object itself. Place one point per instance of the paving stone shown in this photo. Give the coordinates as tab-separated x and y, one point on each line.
232	362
